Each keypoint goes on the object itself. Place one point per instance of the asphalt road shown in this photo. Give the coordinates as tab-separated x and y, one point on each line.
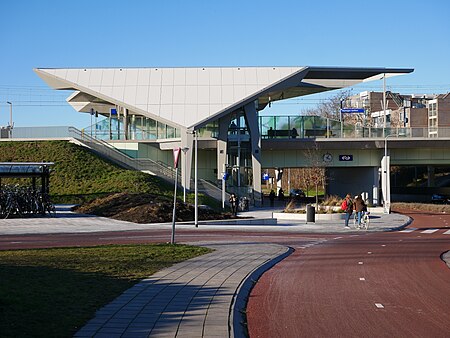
374	285
344	285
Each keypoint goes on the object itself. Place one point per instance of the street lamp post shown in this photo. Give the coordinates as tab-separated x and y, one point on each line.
186	176
196	179
386	170
10	119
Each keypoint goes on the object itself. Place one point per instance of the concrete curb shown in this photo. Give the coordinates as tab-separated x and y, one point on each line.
446	258
238	318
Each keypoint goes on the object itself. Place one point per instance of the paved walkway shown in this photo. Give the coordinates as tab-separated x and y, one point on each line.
255	220
201	297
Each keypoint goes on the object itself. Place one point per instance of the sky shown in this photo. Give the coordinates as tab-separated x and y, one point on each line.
170	33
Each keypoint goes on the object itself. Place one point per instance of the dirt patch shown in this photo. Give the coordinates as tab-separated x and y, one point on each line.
146	208
435	208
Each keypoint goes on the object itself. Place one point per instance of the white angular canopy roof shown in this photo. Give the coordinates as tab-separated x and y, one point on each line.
191	97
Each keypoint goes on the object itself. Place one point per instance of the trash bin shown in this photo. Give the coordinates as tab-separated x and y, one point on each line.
310	213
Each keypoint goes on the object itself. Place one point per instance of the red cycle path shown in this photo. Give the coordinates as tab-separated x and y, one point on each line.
318	291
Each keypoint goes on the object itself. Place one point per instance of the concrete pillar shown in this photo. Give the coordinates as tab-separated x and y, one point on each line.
251	116
125	124
431	176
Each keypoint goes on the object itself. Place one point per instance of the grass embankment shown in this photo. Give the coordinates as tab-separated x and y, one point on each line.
53	292
79	174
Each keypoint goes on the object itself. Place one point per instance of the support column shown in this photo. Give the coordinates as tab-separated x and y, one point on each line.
222	145
251	116
125	124
187	140
431	176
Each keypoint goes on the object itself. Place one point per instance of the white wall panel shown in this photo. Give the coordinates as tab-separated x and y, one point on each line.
179	76
166	111
155	77
239	93
72	75
190	114
153	109
239	76
167	77
179	94
119	77
118	92
215	95
191	95
166	95
142	95
191	76
143	77
130	94
250	76
203	77
96	77
108	77
203	111
131	76
250	89
83	77
274	75
154	94
262	75
178	112
228	94
203	95
227	76
215	76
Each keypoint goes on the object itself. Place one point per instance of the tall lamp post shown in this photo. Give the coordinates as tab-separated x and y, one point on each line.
10	119
186	175
387	172
196	179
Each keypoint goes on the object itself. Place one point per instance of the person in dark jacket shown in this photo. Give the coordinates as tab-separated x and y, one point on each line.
347	206
359	207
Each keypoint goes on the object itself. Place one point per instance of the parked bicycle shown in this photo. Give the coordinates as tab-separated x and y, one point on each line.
20	201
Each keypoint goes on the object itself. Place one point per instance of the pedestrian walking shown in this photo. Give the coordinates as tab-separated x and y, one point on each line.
347	206
359	207
272	197
233	204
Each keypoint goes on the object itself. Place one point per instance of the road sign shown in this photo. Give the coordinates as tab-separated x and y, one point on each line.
352	110
176	156
346	158
265	177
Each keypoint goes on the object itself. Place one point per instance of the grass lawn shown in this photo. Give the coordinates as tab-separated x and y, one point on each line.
54	292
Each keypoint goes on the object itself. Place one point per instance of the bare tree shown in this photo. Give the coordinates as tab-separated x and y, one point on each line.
315	173
330	108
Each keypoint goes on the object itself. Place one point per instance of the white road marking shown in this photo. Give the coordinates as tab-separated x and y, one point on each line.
383	244
362	278
370	252
337	238
15	242
379	305
409	230
429	231
447	232
360	263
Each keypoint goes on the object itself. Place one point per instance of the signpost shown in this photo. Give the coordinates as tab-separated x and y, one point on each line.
352	110
176	157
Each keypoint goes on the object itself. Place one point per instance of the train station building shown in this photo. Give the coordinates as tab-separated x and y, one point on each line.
147	112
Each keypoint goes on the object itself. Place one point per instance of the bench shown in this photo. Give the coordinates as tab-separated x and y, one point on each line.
279	133
316	132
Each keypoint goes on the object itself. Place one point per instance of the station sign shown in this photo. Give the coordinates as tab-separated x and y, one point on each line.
352	110
346	158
